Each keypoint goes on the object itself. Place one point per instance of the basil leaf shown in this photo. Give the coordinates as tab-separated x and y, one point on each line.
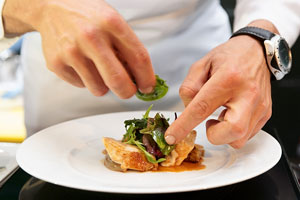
159	138
160	90
158	134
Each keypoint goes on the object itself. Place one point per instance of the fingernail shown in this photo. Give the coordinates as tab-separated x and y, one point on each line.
147	90
170	139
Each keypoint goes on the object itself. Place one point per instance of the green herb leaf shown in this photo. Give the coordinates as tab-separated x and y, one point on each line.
161	160
146	115
148	130
130	136
149	157
138	123
160	90
156	127
159	138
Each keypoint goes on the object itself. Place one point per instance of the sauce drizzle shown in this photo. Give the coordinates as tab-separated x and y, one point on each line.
185	166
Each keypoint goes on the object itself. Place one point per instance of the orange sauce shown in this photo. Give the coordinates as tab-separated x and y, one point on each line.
185	166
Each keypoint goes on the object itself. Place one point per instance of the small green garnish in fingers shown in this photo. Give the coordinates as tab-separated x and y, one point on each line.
159	92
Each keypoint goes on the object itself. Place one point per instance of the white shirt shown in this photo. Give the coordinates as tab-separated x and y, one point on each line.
176	33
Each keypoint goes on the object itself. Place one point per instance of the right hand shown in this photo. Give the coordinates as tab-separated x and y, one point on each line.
88	44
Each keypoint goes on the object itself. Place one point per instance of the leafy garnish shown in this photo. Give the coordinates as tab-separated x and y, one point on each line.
160	90
139	123
129	136
155	128
149	156
159	138
146	115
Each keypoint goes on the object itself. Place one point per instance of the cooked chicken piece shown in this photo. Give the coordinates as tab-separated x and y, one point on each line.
170	159
128	156
196	154
181	151
184	147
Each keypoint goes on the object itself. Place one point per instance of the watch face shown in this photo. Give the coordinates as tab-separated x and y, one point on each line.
284	53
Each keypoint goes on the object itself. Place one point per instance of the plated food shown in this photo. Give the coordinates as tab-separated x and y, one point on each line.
143	148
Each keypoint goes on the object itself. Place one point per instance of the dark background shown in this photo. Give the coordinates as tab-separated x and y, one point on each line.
286	99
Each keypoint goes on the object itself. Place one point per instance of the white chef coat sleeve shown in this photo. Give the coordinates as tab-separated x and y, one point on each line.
4	42
284	14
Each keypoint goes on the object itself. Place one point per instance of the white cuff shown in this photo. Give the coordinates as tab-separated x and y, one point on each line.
284	14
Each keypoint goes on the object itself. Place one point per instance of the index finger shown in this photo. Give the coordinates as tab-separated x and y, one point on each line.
136	55
210	97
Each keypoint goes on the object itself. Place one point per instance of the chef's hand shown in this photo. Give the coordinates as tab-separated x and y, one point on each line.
234	75
86	43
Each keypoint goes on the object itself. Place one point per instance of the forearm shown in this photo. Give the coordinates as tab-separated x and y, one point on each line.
20	16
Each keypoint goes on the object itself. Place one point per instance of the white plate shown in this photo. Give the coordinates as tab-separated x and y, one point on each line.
70	154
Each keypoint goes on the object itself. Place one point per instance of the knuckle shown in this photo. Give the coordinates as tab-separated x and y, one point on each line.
100	92
234	77
128	94
90	33
200	110
112	19
254	96
212	139
142	57
238	130
116	80
183	132
253	89
238	144
268	115
55	64
71	50
187	92
265	106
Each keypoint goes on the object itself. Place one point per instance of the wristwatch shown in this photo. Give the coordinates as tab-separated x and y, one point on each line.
277	51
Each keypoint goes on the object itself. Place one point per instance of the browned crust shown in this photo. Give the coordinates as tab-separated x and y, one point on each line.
138	161
184	147
196	154
128	156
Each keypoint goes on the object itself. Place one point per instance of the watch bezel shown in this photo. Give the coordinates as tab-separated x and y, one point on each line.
284	69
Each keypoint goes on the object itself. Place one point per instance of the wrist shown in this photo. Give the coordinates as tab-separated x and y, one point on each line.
264	24
254	42
277	51
20	16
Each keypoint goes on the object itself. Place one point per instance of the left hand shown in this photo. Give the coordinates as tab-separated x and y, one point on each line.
234	75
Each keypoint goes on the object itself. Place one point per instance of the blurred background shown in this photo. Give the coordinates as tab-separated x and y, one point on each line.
285	120
12	127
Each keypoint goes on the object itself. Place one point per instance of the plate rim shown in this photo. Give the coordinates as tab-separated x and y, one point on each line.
141	190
